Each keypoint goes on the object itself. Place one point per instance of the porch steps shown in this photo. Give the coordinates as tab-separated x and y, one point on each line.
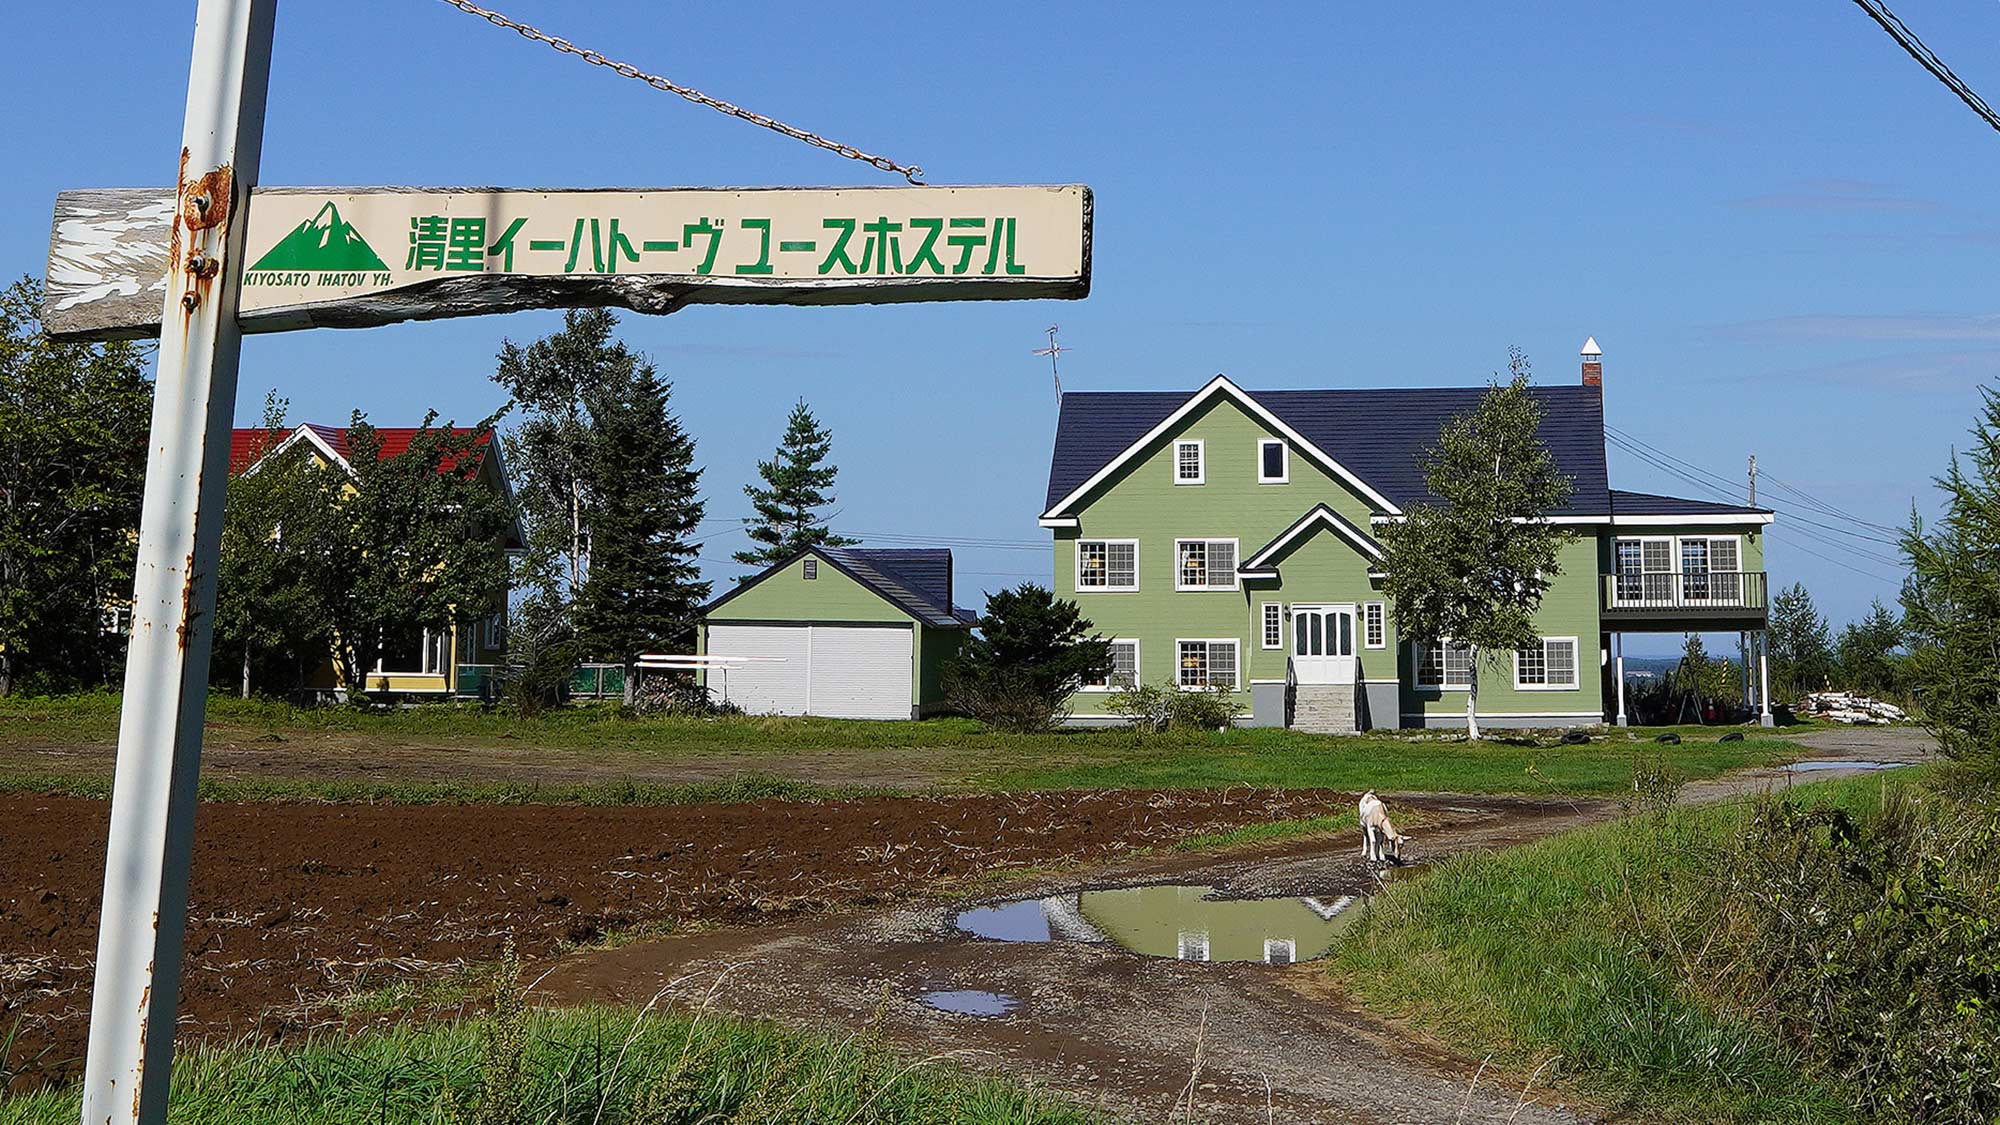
1324	709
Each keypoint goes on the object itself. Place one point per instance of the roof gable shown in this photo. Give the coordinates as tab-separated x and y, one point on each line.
1380	436
1112	418
1263	563
915	581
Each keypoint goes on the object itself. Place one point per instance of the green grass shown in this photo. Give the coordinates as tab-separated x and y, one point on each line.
588	1066
751	787
823	757
1554	949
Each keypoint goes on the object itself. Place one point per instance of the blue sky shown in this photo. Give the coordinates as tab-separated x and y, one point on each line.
1778	227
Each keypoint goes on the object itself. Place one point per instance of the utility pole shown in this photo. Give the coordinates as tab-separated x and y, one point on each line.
138	979
1054	351
1753	480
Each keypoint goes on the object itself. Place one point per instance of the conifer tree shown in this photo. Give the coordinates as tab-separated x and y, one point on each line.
644	591
796	480
1473	565
1801	642
1951	601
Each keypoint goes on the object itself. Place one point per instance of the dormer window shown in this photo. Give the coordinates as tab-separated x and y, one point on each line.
1190	465
1274	463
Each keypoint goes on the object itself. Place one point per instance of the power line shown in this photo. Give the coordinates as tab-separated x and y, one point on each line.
911	172
1928	59
1731	493
1836	562
1826	507
1724	494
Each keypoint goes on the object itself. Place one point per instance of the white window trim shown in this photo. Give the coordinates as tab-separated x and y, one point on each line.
1077	582
1138	677
1575	665
1200	460
1289	945
1417	669
442	640
1235	643
1383	609
1284	465
1236	557
1195	941
1264	626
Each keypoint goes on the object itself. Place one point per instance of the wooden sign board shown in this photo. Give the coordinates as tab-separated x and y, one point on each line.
360	257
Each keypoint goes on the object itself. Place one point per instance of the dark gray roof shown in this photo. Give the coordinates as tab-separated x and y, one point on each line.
1625	503
916	580
1381	435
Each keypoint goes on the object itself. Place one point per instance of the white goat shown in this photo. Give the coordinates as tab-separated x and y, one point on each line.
1379	838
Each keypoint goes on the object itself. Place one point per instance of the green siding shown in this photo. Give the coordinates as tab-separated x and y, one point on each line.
1142	502
1569	609
789	597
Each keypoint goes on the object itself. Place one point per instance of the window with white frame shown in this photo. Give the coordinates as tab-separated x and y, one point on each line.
1207	664
1124	673
1374	625
1192	946
1547	666
1204	564
1280	951
1107	564
1444	665
1190	466
1274	625
1274	463
413	654
1645	568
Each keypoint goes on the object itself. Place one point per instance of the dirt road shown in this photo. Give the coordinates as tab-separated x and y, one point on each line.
1276	1043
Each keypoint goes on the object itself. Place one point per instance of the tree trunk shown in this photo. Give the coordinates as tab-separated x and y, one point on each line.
1472	698
631	687
246	669
6	674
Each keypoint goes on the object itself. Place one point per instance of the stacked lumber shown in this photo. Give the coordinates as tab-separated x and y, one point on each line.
1848	707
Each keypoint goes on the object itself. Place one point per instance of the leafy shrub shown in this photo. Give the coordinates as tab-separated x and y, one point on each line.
1168	706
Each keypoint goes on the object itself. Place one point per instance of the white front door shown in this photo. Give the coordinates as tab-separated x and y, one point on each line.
1323	644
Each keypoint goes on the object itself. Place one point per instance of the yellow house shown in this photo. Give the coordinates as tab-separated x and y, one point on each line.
425	662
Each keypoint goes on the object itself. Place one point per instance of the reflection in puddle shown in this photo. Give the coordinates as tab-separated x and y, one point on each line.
1181	921
972	1002
1809	767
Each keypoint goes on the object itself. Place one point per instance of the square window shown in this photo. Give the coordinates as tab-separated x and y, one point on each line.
1274	625
1192	947
1280	951
812	569
1444	665
1207	664
1124	669
1189	463
1374	625
1205	564
1273	462
1549	665
1107	564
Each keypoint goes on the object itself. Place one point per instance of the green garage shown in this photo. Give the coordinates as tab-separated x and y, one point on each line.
839	632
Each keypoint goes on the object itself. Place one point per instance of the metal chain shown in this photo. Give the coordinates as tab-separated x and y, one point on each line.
911	172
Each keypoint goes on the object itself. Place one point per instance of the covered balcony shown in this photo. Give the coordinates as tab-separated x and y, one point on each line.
1697	600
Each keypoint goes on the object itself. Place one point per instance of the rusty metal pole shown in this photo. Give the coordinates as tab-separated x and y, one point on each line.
137	988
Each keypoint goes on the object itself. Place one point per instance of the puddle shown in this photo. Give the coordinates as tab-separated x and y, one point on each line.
1181	921
972	1002
1812	767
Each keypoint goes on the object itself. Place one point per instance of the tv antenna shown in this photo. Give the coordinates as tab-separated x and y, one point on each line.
1054	351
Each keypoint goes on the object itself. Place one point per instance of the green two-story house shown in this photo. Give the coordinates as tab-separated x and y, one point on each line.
1226	539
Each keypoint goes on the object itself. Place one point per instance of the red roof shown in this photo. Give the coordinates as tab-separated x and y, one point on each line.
246	446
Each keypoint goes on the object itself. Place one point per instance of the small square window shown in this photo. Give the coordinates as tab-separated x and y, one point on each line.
1547	665
812	569
1205	564
1444	665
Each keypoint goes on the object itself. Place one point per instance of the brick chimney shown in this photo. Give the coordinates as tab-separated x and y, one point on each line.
1593	363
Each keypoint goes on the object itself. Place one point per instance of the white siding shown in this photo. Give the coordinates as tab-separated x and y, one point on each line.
838	671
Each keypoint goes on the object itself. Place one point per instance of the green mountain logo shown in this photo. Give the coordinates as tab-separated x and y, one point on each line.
324	242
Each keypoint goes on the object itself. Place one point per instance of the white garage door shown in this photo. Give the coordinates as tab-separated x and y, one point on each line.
840	671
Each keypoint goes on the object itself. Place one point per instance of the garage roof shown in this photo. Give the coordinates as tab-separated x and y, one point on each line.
914	580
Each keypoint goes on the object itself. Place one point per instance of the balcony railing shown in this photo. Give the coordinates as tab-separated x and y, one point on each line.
1729	591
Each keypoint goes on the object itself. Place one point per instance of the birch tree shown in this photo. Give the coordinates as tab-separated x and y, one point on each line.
1471	565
